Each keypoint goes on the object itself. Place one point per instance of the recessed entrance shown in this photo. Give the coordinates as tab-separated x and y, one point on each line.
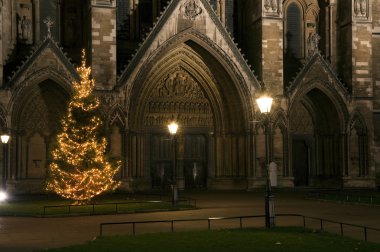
316	145
191	159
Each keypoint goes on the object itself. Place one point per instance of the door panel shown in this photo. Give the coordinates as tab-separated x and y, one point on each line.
301	162
195	156
161	161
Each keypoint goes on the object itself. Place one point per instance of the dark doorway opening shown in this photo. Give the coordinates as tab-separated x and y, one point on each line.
301	161
191	153
195	168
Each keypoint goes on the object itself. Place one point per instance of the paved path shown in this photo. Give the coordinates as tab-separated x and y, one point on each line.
30	234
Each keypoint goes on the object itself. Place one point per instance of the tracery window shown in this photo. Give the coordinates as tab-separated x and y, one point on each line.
293	31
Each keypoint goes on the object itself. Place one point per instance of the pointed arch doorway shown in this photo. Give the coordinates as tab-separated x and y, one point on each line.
316	141
189	84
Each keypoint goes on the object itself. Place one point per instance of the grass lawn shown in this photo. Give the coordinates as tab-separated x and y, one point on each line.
103	205
279	239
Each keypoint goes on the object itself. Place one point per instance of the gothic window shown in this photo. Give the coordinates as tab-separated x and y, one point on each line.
293	32
293	40
73	30
358	149
123	10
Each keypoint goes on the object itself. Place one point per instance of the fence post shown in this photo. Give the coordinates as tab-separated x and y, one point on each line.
101	230
365	233
134	228
209	224
172	226
69	209
241	222
304	222
116	208
93	208
341	229
321	224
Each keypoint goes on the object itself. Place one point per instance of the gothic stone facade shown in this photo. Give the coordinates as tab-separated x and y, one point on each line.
202	63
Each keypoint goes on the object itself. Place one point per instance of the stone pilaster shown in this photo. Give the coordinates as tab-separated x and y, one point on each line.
376	82
103	34
376	52
272	46
263	41
361	49
1	44
362	78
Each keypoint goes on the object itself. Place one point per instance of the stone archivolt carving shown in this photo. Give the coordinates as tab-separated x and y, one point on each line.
178	84
191	9
178	95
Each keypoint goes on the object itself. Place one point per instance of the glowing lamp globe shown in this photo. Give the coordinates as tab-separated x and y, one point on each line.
4	138
3	196
264	103
173	127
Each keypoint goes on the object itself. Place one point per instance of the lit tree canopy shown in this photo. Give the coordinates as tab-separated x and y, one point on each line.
79	169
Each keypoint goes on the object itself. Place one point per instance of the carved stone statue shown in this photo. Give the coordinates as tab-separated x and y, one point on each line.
25	28
312	44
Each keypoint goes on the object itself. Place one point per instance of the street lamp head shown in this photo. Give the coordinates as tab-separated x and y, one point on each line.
173	127
4	138
264	103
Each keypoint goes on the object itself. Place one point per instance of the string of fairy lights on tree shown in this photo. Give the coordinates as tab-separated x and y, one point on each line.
79	169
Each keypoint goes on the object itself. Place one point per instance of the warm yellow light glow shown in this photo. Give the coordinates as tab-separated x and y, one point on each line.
79	169
3	196
4	138
264	103
173	127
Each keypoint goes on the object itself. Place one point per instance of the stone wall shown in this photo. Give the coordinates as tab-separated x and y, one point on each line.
376	82
103	30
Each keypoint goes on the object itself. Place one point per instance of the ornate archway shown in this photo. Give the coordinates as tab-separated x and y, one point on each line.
187	83
35	119
317	123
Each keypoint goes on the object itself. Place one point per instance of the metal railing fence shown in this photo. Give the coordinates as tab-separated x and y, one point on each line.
321	223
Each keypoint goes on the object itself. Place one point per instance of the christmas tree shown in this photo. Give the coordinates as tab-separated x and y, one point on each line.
79	169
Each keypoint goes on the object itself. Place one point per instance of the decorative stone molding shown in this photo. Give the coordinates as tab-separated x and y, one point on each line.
361	10
272	8
103	3
178	95
191	9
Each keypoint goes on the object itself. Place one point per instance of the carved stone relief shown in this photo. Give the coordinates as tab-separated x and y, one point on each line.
301	122
361	9
191	9
38	116
24	22
272	8
178	96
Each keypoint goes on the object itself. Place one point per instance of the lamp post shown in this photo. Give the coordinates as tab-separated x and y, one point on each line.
265	104
173	127
4	139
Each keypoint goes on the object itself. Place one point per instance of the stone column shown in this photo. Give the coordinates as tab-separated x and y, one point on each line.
103	43
272	46
1	44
